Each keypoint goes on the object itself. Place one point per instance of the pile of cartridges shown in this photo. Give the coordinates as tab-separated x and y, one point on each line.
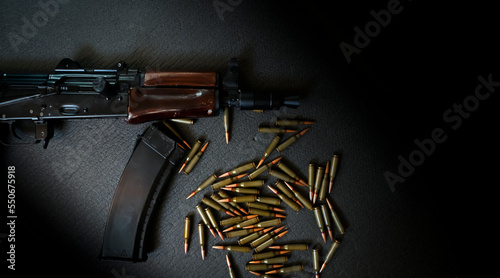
256	219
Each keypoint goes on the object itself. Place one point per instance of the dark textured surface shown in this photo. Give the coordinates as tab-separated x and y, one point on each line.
64	192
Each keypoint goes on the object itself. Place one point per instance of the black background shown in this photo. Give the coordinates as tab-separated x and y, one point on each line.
435	224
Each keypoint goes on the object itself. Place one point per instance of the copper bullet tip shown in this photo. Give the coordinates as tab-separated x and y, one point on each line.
183	141
330	234
186	247
322	267
218	247
272	271
182	167
224	200
224	175
220	234
276	160
274	247
242	210
192	194
204	147
229	229
323	236
227	137
260	163
202	253
212	231
304	131
330	186
279	215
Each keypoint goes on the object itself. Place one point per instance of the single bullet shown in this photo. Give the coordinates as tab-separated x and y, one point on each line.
204	218
290	247
195	159
326	217
254	183
291	140
260	267
240	199
319	178
336	218
242	190
329	256
238	170
191	154
265	213
316	266
311	178
203	185
333	170
233	248
243	224
281	186
213	221
283	167
268	200
284	177
182	121
269	254
287	269
223	194
176	133
253	236
231	271
265	224
285	199
320	221
258	241
324	183
269	242
236	219
211	203
288	122
226	123
263	275
243	232
301	198
265	129
263	206
226	181
262	169
226	207
187	232
201	236
269	149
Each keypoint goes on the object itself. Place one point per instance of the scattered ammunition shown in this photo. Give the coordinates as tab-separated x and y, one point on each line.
324	183
269	242
182	121
253	236
204	218
191	154
290	247
187	232
285	199
268	200
261	170
267	255
211	203
258	241
240	199
301	198
284	177
263	206
316	266
255	183
336	218
263	275
231	271
227	207
269	149
285	122
260	267
201	236
226	123
265	213
265	129
234	248
243	232
311	179
326	217
329	256
265	224
290	173
176	133
224	195
243	224
238	170
236	219
287	192
320	221
226	181
287	269
333	170
317	185
290	140
203	185
195	159
213	222
242	190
